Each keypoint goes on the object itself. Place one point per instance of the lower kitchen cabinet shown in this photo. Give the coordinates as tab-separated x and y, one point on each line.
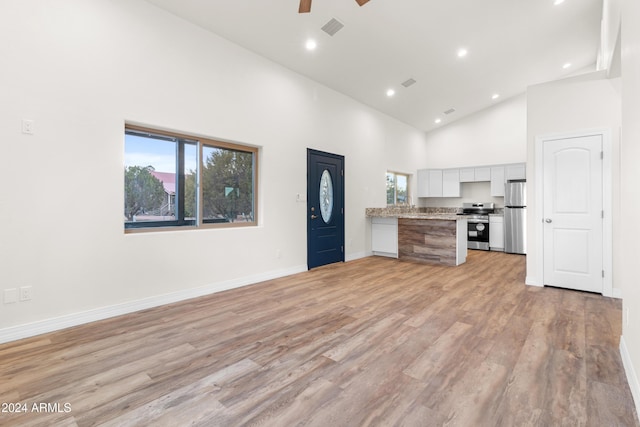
384	236
496	233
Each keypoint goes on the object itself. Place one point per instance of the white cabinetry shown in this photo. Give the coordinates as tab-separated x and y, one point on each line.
483	174
497	181
496	233
467	174
515	171
478	174
446	182
384	236
451	183
439	183
430	183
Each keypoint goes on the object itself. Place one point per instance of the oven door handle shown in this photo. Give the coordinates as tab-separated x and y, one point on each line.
478	221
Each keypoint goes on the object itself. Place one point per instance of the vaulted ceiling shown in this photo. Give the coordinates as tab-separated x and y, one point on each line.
510	44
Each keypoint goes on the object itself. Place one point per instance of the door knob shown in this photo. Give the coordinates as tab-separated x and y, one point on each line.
314	216
548	220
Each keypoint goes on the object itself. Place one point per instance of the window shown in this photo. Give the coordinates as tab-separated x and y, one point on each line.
173	180
397	188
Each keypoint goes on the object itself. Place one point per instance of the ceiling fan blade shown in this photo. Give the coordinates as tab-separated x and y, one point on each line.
361	2
305	6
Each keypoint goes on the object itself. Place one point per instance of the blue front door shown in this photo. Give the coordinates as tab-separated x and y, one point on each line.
325	208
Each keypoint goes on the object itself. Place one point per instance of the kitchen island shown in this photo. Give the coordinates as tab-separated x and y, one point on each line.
424	236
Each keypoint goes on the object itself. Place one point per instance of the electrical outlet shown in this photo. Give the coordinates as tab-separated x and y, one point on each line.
278	254
26	293
10	296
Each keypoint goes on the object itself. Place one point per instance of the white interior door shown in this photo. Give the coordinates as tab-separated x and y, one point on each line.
573	225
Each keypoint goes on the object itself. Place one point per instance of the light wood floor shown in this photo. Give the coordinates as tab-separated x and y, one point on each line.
371	342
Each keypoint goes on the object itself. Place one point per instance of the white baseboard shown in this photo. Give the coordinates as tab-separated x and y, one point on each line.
632	377
14	333
355	256
532	282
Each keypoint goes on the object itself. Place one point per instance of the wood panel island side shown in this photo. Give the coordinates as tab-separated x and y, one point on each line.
423	237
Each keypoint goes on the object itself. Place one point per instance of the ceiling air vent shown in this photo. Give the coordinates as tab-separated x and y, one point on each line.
332	27
450	110
408	82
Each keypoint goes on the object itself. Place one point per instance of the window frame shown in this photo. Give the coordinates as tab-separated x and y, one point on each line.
181	223
395	187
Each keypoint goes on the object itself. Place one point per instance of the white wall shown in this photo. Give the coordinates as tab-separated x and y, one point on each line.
80	69
585	102
627	273
492	136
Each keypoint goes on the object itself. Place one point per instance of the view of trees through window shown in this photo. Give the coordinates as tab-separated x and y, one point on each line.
162	174
397	188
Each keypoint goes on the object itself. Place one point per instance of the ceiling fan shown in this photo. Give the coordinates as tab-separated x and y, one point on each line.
305	5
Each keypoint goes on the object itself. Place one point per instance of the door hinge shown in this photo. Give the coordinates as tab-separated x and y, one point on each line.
342	211
342	250
603	273
341	172
602	154
602	216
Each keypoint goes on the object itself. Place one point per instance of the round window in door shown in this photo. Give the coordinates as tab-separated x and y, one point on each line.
326	196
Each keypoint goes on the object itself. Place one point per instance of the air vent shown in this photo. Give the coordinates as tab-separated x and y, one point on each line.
450	110
332	27
408	82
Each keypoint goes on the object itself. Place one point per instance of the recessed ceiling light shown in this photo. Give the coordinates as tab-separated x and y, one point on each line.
438	120
495	96
462	52
557	2
567	65
390	92
311	44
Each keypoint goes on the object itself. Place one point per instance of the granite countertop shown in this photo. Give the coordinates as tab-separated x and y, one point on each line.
446	214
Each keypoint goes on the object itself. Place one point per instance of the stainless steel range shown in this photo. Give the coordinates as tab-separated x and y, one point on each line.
477	215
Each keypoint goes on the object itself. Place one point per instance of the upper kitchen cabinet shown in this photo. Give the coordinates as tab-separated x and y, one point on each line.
430	183
451	183
497	181
483	173
476	174
515	171
467	174
501	174
438	183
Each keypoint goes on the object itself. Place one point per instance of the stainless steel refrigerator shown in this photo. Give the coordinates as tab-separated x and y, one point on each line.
515	217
